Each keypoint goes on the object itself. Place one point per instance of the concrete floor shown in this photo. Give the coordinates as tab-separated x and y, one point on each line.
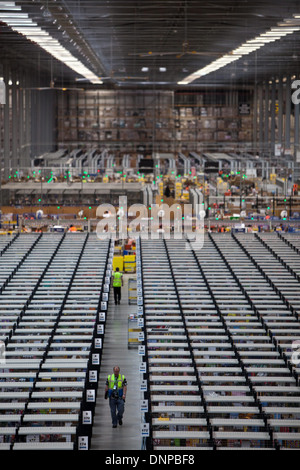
116	352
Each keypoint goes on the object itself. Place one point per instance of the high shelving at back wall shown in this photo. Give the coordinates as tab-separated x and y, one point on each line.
146	121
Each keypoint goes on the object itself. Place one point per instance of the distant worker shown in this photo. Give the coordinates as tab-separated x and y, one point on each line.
115	390
72	228
117	284
167	191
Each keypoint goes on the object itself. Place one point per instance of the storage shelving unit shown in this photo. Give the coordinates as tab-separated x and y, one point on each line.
219	324
53	318
146	121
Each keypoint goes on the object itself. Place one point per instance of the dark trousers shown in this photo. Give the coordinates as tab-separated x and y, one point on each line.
116	409
117	294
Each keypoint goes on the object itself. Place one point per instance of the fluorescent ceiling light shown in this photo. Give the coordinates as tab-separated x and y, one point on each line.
10	8
249	46
145	69
22	24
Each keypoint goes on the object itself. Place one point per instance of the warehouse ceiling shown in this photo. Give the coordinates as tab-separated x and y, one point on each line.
156	43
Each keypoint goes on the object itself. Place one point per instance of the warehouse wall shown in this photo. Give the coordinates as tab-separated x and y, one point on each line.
276	118
43	122
146	121
27	120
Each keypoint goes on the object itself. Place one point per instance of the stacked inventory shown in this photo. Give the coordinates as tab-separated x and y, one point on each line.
218	335
51	308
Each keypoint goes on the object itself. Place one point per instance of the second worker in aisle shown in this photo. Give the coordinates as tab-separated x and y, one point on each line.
117	285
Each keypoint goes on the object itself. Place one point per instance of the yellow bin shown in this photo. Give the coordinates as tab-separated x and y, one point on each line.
118	262
129	263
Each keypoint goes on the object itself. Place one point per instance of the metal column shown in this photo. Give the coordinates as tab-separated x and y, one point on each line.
255	117
27	123
296	142
6	74
261	119
15	122
288	113
280	111
266	133
273	116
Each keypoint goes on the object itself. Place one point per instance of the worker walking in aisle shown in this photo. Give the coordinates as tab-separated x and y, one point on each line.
115	390
117	285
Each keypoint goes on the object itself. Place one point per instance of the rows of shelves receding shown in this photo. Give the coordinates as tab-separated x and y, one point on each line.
219	322
52	329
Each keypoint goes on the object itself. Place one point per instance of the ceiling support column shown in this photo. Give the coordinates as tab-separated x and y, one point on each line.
280	112
267	148
273	117
6	76
255	117
288	113
27	123
296	142
15	121
261	119
21	120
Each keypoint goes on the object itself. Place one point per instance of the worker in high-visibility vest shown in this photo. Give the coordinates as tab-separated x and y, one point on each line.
117	284
115	390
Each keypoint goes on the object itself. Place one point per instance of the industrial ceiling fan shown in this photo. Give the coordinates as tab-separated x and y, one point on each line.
53	87
52	84
185	51
185	46
120	78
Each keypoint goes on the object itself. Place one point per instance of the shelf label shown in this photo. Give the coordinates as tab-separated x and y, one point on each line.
83	443
98	343
90	396
86	417
100	329
144	406
141	336
101	316
145	430
144	386
93	376
95	359
140	311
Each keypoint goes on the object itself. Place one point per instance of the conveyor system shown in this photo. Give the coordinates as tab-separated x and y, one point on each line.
186	163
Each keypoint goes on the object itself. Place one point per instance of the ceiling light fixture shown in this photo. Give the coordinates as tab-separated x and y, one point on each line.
274	34
22	24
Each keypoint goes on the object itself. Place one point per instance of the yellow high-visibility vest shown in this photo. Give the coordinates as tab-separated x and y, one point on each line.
112	381
117	282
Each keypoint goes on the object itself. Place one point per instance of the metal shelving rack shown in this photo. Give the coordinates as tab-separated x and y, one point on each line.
219	323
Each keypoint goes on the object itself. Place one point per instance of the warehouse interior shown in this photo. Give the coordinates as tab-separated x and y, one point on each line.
161	138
